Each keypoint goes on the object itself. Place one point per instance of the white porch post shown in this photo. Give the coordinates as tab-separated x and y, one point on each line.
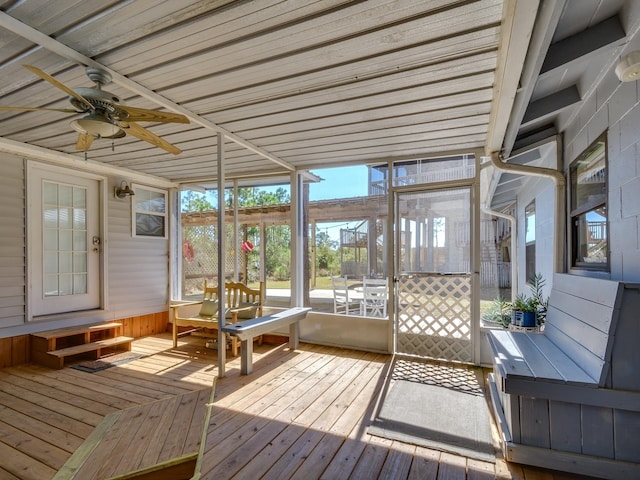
222	340
297	240
236	235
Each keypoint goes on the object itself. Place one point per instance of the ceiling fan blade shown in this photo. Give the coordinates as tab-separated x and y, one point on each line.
58	84
35	109
144	115
144	134
84	142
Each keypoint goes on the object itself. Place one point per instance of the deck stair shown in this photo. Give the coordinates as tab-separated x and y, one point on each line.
155	441
52	347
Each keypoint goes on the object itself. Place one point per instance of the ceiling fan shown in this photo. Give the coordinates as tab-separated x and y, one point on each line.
105	116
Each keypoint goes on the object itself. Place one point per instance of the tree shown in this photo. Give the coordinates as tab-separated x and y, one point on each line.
327	252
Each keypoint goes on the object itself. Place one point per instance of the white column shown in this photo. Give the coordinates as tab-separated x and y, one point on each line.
222	340
297	240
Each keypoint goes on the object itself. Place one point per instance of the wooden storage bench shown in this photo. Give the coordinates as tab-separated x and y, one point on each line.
569	398
51	347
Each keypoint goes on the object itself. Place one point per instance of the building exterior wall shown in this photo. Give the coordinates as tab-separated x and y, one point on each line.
136	269
614	107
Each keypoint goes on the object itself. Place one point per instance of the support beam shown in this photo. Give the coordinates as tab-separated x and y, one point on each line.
606	33
551	104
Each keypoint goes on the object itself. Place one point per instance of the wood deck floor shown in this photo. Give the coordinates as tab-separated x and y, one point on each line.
301	414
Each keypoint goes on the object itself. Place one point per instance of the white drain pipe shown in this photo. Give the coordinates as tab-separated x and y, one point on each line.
559	181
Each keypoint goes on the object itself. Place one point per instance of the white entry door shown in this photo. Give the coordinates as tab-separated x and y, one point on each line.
64	242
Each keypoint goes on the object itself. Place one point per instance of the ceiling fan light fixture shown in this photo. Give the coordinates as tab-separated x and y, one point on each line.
97	125
628	68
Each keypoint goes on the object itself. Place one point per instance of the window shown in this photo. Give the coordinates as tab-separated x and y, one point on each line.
530	240
149	212
590	245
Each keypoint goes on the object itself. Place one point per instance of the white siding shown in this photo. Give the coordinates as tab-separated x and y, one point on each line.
12	242
138	268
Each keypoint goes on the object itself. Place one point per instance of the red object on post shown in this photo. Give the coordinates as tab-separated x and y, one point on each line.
246	247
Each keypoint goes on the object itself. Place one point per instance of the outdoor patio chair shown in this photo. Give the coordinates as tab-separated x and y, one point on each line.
341	301
374	297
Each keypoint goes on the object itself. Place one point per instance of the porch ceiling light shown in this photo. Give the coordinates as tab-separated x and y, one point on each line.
628	68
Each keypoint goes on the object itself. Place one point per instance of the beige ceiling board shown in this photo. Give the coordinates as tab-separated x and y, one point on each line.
438	128
290	84
365	29
235	25
250	128
384	99
381	142
317	94
22	29
434	120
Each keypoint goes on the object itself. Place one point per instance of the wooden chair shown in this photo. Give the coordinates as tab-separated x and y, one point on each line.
341	302
374	297
241	303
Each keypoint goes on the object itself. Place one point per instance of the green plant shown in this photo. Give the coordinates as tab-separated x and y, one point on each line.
523	303
499	312
536	283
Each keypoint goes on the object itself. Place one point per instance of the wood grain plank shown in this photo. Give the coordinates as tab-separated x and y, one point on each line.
46	414
452	467
425	464
325	439
74	385
398	461
39	449
370	462
37	429
22	465
478	470
78	398
272	420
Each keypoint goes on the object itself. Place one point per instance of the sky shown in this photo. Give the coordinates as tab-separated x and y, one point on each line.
343	182
340	182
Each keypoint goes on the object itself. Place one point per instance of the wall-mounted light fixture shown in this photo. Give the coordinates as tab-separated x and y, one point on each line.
124	190
628	68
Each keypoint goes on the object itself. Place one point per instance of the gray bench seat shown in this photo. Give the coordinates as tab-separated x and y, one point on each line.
566	398
247	330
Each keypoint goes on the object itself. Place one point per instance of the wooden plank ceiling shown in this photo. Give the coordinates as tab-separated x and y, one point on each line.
302	84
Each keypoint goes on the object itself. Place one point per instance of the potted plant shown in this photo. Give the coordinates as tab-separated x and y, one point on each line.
524	311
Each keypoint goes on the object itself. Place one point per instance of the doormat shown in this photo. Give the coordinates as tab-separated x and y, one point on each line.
103	363
441	407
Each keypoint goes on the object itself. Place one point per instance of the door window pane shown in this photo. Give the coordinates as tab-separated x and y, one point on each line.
64	225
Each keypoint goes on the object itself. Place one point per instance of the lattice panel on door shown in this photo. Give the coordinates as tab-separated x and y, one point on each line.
434	317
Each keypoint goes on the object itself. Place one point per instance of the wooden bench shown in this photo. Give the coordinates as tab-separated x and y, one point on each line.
247	330
51	347
568	398
241	303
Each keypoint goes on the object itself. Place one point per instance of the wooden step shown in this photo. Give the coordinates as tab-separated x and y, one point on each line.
58	356
69	331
